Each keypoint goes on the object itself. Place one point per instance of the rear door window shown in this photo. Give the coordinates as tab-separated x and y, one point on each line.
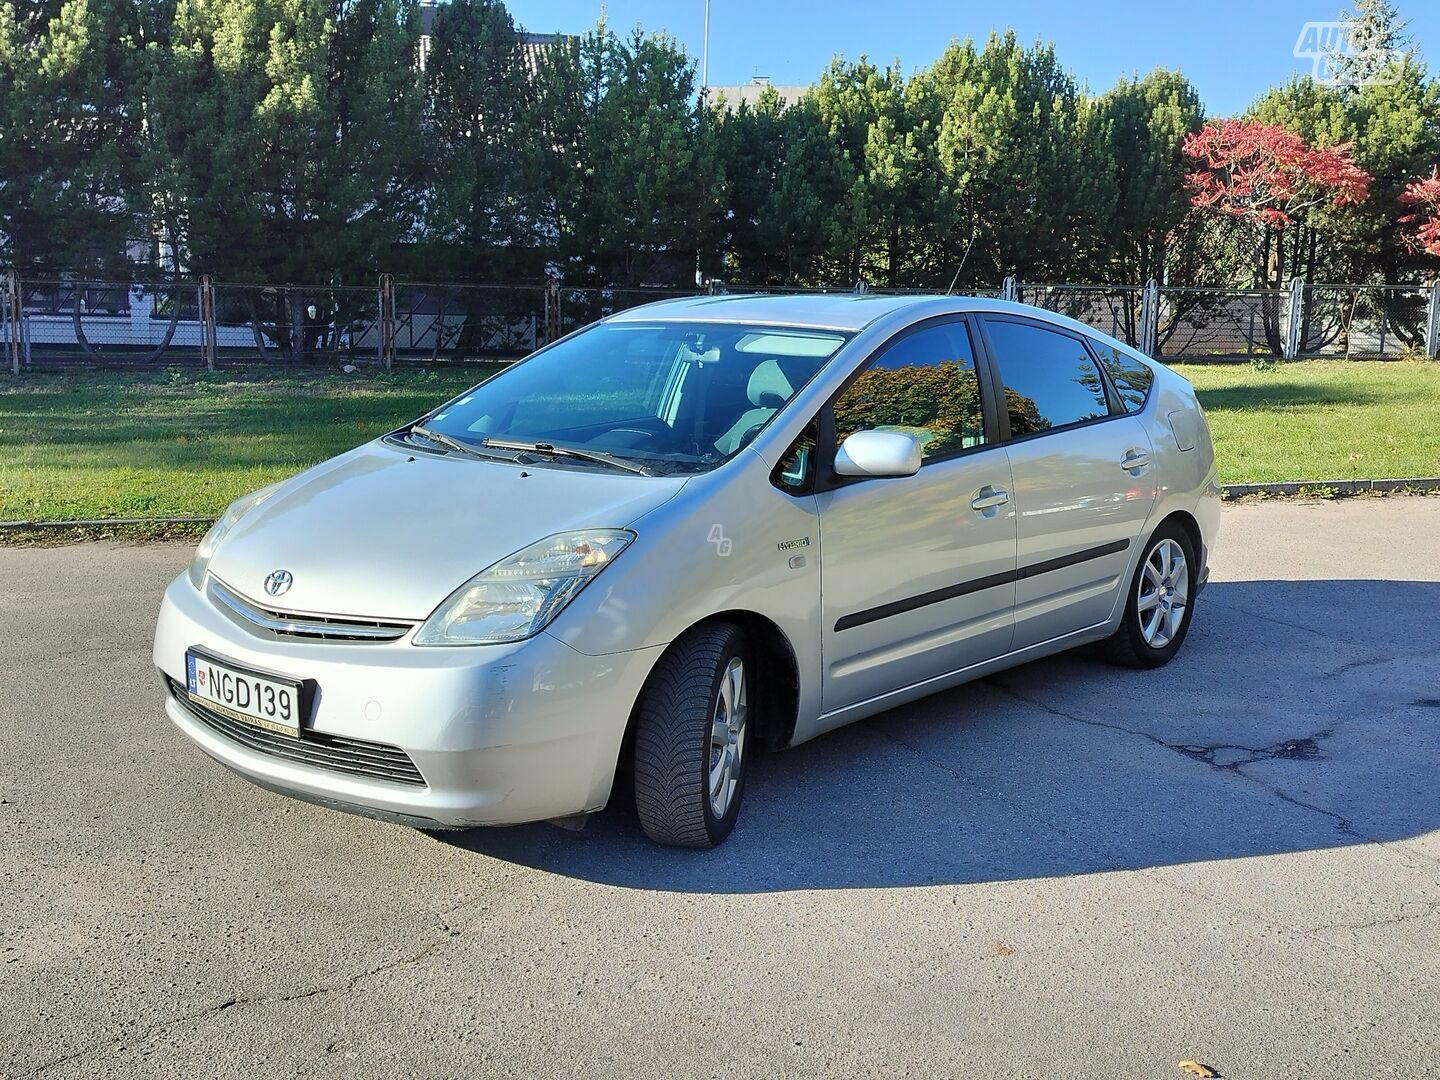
1130	377
1050	379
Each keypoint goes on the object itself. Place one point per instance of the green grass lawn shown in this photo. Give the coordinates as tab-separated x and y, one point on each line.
1321	419
104	444
107	445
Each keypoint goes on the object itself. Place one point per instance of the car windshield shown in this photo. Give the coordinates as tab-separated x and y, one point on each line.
666	396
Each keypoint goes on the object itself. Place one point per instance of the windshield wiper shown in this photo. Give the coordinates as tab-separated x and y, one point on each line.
552	450
446	441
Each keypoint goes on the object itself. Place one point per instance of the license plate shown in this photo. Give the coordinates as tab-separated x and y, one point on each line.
261	700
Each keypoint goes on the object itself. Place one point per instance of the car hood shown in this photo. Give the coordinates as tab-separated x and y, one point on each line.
383	533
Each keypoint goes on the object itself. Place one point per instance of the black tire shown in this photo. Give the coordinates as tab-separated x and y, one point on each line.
1128	646
673	724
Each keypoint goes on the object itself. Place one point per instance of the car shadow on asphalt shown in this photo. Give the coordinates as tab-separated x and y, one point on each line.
1301	715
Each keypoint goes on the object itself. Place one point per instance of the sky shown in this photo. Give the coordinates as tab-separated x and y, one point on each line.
1231	50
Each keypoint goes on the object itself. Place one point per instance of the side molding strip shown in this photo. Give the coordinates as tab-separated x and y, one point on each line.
950	592
1036	569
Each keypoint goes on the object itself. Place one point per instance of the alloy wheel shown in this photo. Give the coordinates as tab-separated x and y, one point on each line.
727	737
1164	592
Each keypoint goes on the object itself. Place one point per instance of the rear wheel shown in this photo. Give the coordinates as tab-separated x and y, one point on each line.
692	738
1160	602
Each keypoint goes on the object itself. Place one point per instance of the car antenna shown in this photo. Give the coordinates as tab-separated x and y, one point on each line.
953	281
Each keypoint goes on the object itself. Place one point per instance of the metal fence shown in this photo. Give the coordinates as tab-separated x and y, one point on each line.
1201	323
1114	309
437	322
1363	323
1356	322
58	323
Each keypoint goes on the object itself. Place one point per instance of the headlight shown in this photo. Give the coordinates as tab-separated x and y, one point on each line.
211	540
518	596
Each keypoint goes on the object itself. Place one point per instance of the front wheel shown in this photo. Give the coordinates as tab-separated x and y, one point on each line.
1160	602
691	738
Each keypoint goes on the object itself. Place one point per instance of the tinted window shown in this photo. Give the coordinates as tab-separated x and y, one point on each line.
1130	377
924	385
1050	380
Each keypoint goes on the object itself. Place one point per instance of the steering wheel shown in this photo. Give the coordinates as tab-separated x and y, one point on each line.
635	433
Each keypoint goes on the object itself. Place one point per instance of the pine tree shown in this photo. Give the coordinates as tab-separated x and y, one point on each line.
1010	149
478	98
1140	125
633	159
1375	43
293	131
881	230
68	135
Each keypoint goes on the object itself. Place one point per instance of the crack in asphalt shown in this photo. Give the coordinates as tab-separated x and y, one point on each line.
1431	909
999	796
1247	613
1153	873
1369	661
1288	748
1304	748
342	986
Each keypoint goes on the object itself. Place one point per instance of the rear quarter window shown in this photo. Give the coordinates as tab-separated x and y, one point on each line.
1132	377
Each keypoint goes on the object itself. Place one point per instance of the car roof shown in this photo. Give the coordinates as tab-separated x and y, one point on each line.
848	312
821	311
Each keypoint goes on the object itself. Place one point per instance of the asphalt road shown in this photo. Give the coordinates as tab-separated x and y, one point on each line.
1065	871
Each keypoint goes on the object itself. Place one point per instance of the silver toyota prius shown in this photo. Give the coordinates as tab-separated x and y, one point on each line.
688	532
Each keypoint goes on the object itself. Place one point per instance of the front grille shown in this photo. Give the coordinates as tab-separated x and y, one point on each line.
269	623
318	749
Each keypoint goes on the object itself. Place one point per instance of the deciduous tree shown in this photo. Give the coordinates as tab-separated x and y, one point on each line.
1269	177
1421	225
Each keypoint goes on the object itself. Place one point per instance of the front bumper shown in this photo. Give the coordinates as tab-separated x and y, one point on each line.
501	734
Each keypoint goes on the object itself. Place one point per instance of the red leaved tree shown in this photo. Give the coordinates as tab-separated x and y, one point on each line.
1264	174
1421	227
1270	178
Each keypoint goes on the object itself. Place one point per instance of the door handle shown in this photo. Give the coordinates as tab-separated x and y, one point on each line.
1134	459
989	497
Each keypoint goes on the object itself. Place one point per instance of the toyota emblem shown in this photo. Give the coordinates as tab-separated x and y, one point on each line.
278	582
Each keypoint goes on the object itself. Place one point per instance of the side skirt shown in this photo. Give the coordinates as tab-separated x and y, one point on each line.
861	709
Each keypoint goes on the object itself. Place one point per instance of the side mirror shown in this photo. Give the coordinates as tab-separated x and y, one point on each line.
878	453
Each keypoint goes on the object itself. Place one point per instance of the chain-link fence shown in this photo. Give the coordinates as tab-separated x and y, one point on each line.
1360	323
1116	310
580	306
296	324
1220	323
58	323
436	322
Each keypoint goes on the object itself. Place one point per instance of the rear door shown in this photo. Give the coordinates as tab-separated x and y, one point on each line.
917	572
1082	477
